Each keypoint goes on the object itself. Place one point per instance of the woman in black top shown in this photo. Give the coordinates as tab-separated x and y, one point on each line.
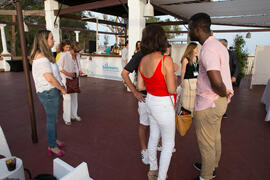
189	73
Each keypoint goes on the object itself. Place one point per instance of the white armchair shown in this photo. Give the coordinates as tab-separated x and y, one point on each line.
63	171
18	173
4	149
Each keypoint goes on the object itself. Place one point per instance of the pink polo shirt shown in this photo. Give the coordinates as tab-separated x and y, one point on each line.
213	56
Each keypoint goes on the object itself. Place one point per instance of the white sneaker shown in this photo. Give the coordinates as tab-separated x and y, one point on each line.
159	148
144	156
77	118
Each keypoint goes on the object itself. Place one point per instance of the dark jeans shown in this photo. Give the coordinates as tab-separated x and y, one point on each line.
50	101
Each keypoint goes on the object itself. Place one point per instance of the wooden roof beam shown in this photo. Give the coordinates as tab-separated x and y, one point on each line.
227	31
174	23
169	23
87	30
25	12
84	18
90	6
63	28
186	2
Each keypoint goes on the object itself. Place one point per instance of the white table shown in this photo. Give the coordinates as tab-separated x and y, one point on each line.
266	100
17	173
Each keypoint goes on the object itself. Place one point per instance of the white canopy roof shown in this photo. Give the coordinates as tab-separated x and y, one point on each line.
226	12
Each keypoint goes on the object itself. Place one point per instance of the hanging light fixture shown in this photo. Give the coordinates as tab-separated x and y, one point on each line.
148	10
248	36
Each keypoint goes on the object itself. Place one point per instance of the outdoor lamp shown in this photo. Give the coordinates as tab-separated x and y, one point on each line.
148	10
248	36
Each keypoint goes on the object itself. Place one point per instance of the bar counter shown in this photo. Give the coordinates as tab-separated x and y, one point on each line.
100	55
105	66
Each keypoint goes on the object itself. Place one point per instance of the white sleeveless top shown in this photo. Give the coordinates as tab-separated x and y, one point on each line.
39	68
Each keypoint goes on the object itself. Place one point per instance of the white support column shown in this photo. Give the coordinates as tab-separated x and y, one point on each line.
50	6
3	64
136	23
77	35
96	35
4	41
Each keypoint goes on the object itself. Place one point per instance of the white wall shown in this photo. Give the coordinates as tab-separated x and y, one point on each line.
261	69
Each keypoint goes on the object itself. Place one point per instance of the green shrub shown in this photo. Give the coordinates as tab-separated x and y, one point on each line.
242	54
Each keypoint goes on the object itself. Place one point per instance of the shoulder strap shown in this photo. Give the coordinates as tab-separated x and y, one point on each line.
139	67
162	66
165	80
77	65
77	62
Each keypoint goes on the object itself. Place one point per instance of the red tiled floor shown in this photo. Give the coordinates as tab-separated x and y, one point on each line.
107	137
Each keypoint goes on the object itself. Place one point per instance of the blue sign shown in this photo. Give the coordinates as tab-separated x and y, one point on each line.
106	67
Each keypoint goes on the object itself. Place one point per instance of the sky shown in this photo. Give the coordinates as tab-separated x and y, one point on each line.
257	38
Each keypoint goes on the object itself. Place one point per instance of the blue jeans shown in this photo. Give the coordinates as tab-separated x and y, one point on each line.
50	101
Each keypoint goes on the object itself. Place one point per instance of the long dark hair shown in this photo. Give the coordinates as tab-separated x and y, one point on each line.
63	44
153	39
138	48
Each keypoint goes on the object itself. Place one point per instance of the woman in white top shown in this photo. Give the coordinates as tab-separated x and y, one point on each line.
48	85
69	65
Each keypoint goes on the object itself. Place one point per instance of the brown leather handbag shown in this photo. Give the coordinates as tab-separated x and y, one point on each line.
183	123
183	119
73	85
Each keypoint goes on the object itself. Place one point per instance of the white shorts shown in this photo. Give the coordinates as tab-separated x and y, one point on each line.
143	115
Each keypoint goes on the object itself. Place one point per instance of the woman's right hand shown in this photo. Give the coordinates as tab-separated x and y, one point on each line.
63	91
182	84
139	96
73	75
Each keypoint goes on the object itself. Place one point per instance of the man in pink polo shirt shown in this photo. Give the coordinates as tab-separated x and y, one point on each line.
214	91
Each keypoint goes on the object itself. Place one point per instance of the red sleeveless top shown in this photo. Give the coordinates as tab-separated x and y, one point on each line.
156	84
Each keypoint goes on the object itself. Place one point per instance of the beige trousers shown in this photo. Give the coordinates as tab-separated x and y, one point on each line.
207	125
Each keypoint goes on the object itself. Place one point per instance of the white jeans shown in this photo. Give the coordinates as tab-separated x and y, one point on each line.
70	106
143	114
162	122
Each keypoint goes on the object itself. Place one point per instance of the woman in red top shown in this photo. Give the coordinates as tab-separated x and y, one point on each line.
157	77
